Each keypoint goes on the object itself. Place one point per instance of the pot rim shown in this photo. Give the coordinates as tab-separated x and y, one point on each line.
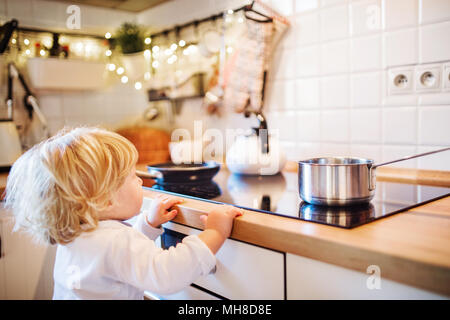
347	161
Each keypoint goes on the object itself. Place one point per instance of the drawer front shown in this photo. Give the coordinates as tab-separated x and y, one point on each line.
243	271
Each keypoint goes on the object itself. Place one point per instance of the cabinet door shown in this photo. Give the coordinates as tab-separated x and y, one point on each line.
190	293
26	266
243	271
311	279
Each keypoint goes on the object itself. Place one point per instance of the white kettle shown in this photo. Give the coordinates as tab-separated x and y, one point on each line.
10	146
256	154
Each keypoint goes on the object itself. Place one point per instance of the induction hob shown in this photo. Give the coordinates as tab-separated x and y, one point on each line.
278	195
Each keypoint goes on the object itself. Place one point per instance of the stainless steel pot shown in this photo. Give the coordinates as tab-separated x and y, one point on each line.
340	181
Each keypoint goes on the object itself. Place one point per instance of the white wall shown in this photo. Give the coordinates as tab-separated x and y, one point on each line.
327	89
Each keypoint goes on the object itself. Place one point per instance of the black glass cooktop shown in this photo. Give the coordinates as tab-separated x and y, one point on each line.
278	195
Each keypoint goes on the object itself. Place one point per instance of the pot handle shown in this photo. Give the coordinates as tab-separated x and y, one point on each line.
372	178
149	175
408	157
372	168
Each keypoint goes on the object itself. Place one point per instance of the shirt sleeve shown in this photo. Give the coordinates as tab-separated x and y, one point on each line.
142	226
136	260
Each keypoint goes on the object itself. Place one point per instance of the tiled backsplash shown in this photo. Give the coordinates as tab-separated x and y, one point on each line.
327	90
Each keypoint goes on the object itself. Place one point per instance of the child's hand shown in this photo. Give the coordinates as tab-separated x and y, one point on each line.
159	211
221	219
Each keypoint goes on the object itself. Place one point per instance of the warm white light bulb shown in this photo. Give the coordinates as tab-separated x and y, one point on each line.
108	53
124	79
155	64
108	35
111	67
148	40
182	43
42	52
120	70
138	85
155	49
173	46
147	54
26	41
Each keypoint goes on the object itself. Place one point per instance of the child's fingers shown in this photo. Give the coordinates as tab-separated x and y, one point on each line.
171	202
236	212
203	218
172	214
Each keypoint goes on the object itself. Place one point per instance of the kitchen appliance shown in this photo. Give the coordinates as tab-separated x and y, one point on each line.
281	198
339	181
9	143
256	154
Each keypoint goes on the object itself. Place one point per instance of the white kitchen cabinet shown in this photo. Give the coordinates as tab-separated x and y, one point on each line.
26	268
311	279
243	271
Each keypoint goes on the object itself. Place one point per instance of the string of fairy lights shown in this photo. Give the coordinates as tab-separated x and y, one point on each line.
163	54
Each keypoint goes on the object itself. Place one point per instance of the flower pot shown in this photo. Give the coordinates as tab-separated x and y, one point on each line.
135	65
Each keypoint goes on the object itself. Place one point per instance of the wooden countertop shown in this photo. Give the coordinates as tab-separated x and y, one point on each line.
412	247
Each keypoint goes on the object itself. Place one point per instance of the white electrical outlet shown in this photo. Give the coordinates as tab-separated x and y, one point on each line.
428	78
446	76
400	80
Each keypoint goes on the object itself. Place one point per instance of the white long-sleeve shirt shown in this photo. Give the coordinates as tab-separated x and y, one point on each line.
117	261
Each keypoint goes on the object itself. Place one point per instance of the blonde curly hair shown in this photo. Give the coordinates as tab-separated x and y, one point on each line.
56	189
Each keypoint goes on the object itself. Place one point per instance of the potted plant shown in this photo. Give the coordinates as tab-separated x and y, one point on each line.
130	39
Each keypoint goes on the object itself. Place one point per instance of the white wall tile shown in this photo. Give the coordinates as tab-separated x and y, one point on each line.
401	47
285	7
334	23
434	128
366	89
334	126
366	53
365	125
307	61
434	10
437	161
283	95
308	126
435	99
307	92
334	91
305	5
400	125
307	28
401	13
368	151
397	152
435	42
334	150
366	17
335	57
283	60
